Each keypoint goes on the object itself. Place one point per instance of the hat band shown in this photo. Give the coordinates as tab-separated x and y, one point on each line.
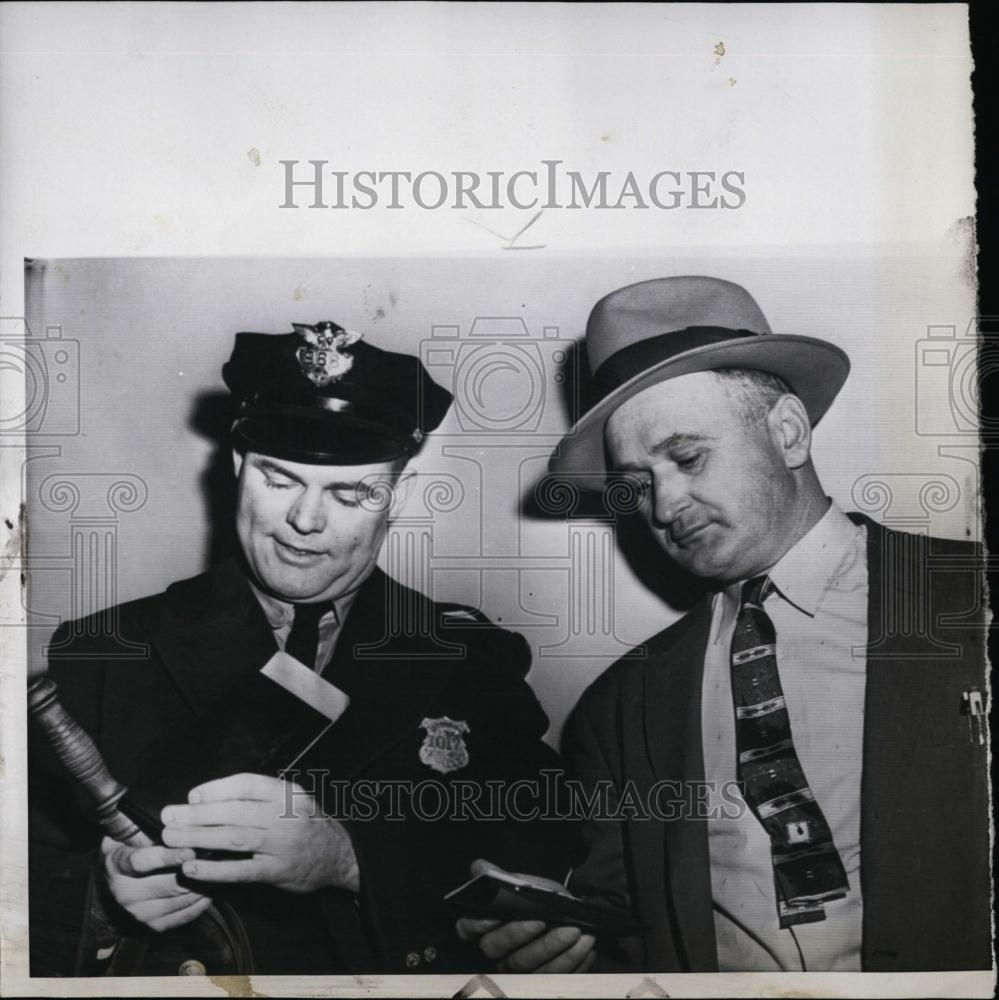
362	418
625	364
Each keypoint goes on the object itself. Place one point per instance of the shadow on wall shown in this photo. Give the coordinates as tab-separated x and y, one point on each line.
212	417
557	498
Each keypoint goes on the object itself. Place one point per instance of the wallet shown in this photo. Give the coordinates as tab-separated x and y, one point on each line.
501	895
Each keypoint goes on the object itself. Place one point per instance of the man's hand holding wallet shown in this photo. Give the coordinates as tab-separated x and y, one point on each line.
550	931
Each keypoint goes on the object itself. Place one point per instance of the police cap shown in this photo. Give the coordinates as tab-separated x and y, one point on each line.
324	395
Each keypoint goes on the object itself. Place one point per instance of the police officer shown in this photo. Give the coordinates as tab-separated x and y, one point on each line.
425	697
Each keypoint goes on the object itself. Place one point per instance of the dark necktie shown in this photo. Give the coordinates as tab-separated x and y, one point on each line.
303	640
808	871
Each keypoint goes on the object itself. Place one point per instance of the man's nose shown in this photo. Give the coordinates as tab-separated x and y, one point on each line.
670	499
307	515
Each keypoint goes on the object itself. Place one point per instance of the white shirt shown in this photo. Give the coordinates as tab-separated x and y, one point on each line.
819	613
281	614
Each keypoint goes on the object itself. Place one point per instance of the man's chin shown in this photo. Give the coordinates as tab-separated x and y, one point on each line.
295	590
705	565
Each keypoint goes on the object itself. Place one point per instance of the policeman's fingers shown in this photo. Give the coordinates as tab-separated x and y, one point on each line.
470	929
265	868
172	900
249	870
179	917
255	787
138	839
227	812
542	951
577	959
149	898
215	838
283	842
510	936
137	862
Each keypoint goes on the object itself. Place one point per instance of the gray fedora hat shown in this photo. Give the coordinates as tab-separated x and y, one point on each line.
646	333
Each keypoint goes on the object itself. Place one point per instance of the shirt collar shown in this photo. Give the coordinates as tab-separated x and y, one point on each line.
803	574
280	614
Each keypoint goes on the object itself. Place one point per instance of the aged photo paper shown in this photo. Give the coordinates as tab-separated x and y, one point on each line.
491	502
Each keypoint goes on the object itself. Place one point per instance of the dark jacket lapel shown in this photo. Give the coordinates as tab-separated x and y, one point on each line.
214	633
673	679
379	668
888	696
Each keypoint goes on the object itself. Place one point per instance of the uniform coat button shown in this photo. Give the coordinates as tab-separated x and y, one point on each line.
429	954
192	967
412	960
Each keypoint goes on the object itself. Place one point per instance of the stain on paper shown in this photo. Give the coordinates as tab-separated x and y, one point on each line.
961	234
509	241
14	547
236	986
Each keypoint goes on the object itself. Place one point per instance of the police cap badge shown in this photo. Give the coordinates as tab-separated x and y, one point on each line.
322	356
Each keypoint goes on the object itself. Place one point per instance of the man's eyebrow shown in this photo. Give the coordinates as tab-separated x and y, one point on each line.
678	441
266	465
664	447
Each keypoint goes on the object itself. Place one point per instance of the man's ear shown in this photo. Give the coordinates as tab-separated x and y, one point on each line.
402	489
237	461
791	430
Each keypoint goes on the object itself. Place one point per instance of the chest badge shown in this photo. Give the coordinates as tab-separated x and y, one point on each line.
444	747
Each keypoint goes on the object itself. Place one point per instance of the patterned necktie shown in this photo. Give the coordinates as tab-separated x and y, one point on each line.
303	640
808	871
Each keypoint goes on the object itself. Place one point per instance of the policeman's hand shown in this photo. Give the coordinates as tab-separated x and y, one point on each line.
528	945
143	881
293	845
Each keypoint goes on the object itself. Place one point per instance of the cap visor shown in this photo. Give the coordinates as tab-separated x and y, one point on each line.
323	439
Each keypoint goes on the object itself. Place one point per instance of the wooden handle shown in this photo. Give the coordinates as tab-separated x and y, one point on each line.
80	756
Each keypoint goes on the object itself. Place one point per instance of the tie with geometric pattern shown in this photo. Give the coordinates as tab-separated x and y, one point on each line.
303	640
808	870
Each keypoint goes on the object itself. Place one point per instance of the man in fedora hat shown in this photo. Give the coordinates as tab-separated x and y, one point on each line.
289	723
816	724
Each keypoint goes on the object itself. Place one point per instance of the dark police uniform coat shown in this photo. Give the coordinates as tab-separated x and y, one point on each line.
205	637
924	873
